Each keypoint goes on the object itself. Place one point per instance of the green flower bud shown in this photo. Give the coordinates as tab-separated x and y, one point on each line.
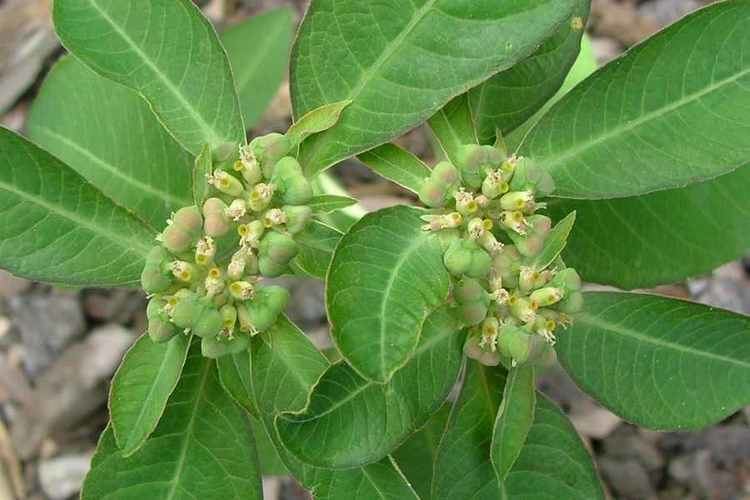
214	282
469	291
216	222
242	290
184	311
522	201
571	304
160	329
156	276
229	317
466	204
248	168
494	184
473	161
473	350
237	209
237	264
226	183
466	257
515	222
183	230
184	271
529	177
507	264
514	343
445	173
274	217
522	309
205	251
567	279
268	150
251	233
532	242
473	314
221	345
297	218
545	327
275	252
546	296
260	197
489	242
434	194
207	320
251	264
291	183
259	314
439	222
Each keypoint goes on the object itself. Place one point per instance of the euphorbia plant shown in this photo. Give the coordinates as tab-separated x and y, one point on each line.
635	177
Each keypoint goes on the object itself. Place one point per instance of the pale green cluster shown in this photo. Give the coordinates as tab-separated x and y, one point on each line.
486	214
203	276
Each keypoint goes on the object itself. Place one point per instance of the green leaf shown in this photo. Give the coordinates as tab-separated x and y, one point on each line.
286	368
271	463
203	167
235	377
141	387
327	203
508	99
415	456
108	134
453	126
203	448
399	62
353	421
660	363
342	219
661	237
166	51
552	464
671	112
386	277
397	165
316	121
514	419
58	228
316	245
258	51
555	242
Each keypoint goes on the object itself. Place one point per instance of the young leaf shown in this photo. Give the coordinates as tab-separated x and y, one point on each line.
415	456
400	62
235	376
327	203
555	242
453	126
552	464
397	165
166	51
514	419
258	51
353	421
662	237
108	134
141	387
316	245
285	369
660	363
58	228
203	448
641	123
316	121
202	168
386	277
508	99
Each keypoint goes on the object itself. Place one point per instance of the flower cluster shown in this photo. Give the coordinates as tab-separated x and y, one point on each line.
203	276
485	210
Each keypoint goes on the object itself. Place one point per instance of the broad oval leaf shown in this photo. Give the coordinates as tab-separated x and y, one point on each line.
235	372
385	57
317	243
508	99
662	237
285	369
60	229
353	421
108	134
671	112
514	419
552	464
397	165
386	277
258	51
658	362
203	448
141	387
166	51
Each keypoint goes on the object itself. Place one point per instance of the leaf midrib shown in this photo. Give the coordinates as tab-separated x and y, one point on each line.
645	118
607	326
207	129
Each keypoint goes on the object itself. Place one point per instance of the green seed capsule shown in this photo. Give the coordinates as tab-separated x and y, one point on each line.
259	314
268	150
529	177
275	252
567	279
533	241
433	194
483	356
465	257
185	310
184	230
445	173
494	184
295	190
571	304
218	346
160	329
514	343
156	277
216	222
469	291
297	218
207	320
474	313
546	296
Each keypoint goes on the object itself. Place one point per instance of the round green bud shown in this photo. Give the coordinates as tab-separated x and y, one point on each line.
433	194
518	200
249	169
567	279
184	230
156	276
207	320
468	291
571	304
522	309
297	217
216	222
481	262
259	314
514	343
474	161
268	150
474	313
483	356
226	183
546	296
185	310
160	330
218	346
457	258
229	317
274	253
